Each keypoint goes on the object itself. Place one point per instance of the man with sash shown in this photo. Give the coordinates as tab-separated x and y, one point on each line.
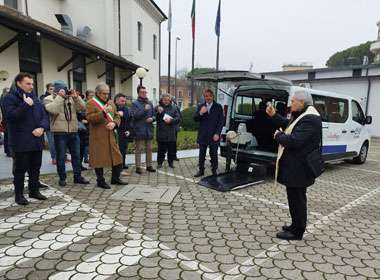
103	120
298	138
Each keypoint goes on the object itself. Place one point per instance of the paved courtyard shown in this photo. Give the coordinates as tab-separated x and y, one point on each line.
89	233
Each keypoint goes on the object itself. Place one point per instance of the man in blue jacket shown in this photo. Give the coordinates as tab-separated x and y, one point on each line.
142	113
211	120
27	122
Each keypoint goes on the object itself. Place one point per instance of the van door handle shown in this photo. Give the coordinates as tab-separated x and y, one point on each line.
344	131
352	131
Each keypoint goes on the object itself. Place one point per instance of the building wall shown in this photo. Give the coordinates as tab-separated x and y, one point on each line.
51	61
9	58
135	12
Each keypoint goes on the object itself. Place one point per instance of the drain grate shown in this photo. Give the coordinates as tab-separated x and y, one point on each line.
146	193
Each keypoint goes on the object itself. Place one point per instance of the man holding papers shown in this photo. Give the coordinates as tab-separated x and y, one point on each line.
167	121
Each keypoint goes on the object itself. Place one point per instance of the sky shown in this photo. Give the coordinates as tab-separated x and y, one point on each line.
268	33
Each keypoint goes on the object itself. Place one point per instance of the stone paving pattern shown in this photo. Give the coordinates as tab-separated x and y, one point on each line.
81	233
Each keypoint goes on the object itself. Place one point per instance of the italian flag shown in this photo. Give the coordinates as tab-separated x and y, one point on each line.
193	19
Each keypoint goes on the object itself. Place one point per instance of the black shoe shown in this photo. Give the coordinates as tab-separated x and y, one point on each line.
80	180
176	159
286	228
37	195
139	170
171	165
82	168
199	174
287	235
62	183
125	167
150	169
159	165
118	182
42	186
21	200
104	185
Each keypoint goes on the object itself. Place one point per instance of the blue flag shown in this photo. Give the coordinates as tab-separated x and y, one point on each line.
218	20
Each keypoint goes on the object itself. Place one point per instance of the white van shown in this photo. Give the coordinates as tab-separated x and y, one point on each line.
345	135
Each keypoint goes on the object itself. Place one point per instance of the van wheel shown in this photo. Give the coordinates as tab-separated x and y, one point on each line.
362	157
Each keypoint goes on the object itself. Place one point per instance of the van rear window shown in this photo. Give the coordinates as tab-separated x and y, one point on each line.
331	109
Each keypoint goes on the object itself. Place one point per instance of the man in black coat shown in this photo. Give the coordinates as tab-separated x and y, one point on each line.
211	120
125	126
27	121
293	169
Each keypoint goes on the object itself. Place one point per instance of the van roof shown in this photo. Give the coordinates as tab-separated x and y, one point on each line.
239	76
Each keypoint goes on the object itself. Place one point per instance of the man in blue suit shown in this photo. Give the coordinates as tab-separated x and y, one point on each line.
27	122
211	120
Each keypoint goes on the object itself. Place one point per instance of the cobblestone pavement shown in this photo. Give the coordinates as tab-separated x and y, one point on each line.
81	233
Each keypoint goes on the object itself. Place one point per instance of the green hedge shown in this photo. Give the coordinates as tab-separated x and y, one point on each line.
188	123
186	140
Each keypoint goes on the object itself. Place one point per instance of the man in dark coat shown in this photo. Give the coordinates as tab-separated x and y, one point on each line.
302	136
49	134
211	120
167	122
27	121
123	129
143	116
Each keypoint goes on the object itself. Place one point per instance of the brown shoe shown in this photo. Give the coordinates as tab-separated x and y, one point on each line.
139	170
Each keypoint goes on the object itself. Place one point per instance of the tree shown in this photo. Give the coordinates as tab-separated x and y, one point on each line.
351	56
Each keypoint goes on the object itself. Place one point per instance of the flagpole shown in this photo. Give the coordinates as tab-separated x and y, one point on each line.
193	52
217	65
169	61
217	31
170	44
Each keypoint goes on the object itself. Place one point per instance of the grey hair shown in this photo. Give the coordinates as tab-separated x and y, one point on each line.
304	96
99	87
165	95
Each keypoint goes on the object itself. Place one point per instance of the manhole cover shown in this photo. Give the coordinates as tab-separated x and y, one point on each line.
163	194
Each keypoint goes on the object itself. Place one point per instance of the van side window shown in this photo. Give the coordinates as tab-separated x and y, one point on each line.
337	110
357	113
245	105
331	109
320	103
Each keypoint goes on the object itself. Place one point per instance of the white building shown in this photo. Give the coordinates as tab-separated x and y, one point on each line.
362	82
82	42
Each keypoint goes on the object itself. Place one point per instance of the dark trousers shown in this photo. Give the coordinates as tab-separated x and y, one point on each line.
67	141
6	144
213	154
116	170
176	143
26	162
123	146
163	148
297	201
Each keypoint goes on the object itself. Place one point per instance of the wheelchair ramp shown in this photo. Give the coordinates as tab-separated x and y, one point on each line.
230	181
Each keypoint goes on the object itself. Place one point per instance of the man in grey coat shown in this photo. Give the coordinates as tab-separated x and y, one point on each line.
142	113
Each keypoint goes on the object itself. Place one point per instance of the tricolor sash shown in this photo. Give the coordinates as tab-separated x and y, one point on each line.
100	105
309	111
108	115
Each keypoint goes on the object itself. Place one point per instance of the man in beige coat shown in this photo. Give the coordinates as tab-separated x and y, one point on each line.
62	107
103	120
